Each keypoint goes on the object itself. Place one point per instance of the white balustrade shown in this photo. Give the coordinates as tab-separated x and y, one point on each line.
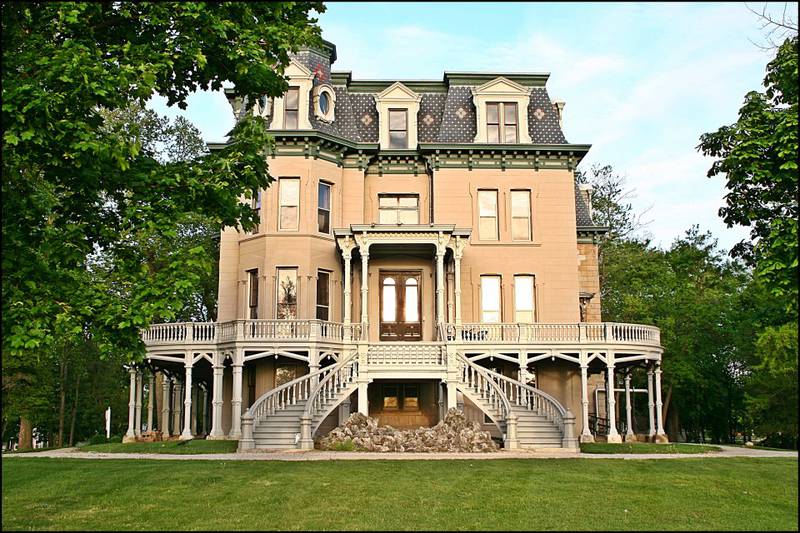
406	354
321	330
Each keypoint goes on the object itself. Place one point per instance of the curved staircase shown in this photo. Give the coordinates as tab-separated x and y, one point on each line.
288	417
526	416
276	417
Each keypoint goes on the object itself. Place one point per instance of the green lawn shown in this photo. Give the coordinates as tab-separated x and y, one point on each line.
170	446
566	494
646	447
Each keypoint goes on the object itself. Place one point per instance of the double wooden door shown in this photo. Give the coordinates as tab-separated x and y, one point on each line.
401	305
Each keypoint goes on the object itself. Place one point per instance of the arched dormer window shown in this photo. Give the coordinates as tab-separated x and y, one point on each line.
501	107
397	115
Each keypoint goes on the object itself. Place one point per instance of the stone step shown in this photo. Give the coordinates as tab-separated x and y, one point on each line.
276	431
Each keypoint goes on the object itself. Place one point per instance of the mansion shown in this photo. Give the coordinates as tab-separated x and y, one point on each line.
424	246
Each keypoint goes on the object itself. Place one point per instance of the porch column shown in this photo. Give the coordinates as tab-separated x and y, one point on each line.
165	393
586	435
195	405
660	435
137	429
216	400
348	304
613	435
440	285
236	400
452	395
629	436
205	412
186	434
363	400
176	408
131	434
650	411
457	258
150	406
364	291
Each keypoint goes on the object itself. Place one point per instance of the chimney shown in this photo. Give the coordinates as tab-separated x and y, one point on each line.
558	107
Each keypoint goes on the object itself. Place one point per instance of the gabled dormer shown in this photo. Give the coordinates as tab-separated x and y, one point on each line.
290	112
501	108
397	116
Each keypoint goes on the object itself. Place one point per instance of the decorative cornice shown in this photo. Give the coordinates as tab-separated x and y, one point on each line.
342	152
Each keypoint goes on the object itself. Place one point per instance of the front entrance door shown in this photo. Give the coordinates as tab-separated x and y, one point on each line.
400	306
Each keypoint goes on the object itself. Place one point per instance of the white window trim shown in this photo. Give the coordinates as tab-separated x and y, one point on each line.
502	90
299	76
397	96
330	115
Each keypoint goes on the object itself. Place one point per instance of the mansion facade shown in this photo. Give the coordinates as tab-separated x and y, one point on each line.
424	246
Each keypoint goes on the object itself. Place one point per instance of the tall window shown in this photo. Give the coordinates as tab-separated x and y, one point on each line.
501	122
523	299
398	128
520	215
255	204
290	203
252	284
324	208
490	299
323	294
290	108
287	293
398	208
487	212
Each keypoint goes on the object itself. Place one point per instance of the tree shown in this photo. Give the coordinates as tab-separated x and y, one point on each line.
610	202
74	189
758	155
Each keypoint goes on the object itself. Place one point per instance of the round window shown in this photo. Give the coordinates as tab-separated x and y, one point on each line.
324	102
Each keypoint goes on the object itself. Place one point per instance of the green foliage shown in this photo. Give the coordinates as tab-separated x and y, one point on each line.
771	388
72	187
758	156
109	211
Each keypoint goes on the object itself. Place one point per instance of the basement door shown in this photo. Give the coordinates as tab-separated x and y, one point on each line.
400	305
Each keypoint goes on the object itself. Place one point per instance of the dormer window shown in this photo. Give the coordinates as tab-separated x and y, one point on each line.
501	108
398	129
397	107
291	111
501	122
291	106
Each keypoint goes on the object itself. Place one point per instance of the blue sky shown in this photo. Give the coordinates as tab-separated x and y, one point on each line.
641	82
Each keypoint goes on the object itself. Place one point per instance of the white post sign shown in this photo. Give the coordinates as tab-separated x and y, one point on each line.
108	422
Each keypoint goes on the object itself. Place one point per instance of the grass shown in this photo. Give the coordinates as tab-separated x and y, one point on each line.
552	494
170	446
646	447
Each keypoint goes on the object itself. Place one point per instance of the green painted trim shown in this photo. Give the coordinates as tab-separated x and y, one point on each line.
529	79
377	86
477	148
593	229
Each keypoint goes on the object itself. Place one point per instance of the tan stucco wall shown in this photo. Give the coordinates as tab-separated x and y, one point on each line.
589	279
354	200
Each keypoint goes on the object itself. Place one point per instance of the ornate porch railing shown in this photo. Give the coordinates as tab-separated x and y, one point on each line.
407	354
603	332
302	330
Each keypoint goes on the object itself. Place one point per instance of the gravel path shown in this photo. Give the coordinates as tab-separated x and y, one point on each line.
316	455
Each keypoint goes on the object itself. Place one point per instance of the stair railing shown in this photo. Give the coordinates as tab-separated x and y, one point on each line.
341	376
479	381
531	398
288	394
